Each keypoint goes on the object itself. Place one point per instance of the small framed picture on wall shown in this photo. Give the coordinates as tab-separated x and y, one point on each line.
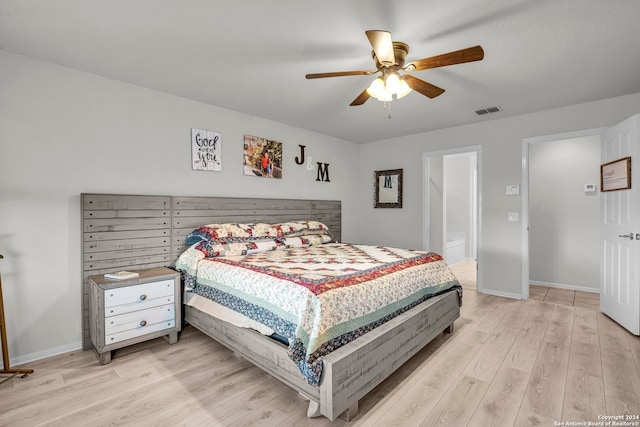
206	150
262	157
616	175
387	189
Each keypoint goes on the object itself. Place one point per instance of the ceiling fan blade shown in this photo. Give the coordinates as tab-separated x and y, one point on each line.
427	89
382	46
470	54
361	99
339	74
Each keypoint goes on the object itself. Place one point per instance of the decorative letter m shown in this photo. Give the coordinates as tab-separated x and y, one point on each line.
323	172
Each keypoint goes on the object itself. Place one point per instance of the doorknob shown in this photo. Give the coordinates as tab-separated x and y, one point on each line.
626	236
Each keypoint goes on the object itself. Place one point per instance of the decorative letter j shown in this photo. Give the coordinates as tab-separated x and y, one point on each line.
300	160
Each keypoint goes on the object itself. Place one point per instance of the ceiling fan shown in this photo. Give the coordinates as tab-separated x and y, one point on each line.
389	57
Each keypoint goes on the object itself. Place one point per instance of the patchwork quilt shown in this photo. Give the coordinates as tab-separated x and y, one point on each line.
319	297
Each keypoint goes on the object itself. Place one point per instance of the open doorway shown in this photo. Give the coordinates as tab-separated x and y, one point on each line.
451	214
561	215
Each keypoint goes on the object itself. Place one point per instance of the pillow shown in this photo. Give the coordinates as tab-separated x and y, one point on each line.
219	231
214	232
304	241
317	239
300	228
292	228
235	246
264	230
317	228
261	245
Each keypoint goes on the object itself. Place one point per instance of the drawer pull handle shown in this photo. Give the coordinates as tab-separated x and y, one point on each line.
143	297
143	323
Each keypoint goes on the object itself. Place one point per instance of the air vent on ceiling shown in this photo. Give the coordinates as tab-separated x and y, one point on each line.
483	111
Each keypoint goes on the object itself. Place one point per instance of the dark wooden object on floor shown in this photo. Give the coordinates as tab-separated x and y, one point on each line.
5	346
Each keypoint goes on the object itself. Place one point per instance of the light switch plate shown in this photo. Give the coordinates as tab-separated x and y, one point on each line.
513	190
512	216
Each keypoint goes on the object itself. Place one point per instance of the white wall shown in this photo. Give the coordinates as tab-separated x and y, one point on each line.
64	132
501	141
564	232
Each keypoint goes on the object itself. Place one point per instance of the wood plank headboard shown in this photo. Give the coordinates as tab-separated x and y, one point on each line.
130	232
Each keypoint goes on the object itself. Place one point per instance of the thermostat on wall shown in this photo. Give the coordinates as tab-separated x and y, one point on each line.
589	188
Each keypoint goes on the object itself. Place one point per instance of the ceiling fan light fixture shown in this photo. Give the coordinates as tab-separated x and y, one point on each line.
376	88
392	83
403	90
383	96
385	87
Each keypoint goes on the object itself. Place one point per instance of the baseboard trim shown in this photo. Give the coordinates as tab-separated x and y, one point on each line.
502	294
39	355
563	286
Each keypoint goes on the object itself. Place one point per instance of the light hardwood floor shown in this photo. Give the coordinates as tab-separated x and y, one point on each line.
564	296
466	273
509	363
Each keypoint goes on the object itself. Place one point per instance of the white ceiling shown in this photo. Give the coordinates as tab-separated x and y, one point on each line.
251	56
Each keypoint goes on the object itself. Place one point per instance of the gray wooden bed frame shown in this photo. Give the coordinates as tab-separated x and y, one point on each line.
140	232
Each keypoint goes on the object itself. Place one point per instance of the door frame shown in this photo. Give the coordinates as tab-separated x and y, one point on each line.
526	142
477	149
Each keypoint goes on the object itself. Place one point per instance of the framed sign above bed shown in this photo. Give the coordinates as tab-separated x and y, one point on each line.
387	189
206	150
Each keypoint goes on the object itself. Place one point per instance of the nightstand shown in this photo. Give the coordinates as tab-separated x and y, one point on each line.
126	312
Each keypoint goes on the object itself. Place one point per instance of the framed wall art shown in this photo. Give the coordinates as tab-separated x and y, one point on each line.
616	175
206	150
262	157
387	188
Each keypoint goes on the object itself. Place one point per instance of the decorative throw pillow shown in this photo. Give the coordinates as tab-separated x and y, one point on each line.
219	231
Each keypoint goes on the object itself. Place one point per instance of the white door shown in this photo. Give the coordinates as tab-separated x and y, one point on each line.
620	269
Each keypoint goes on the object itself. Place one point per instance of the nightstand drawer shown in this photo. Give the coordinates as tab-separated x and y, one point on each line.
139	319
139	331
138	293
138	305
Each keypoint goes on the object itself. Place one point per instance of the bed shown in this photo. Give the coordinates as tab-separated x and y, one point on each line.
314	301
137	232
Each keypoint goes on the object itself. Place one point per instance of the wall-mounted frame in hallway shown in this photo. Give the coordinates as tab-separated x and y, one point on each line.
616	175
